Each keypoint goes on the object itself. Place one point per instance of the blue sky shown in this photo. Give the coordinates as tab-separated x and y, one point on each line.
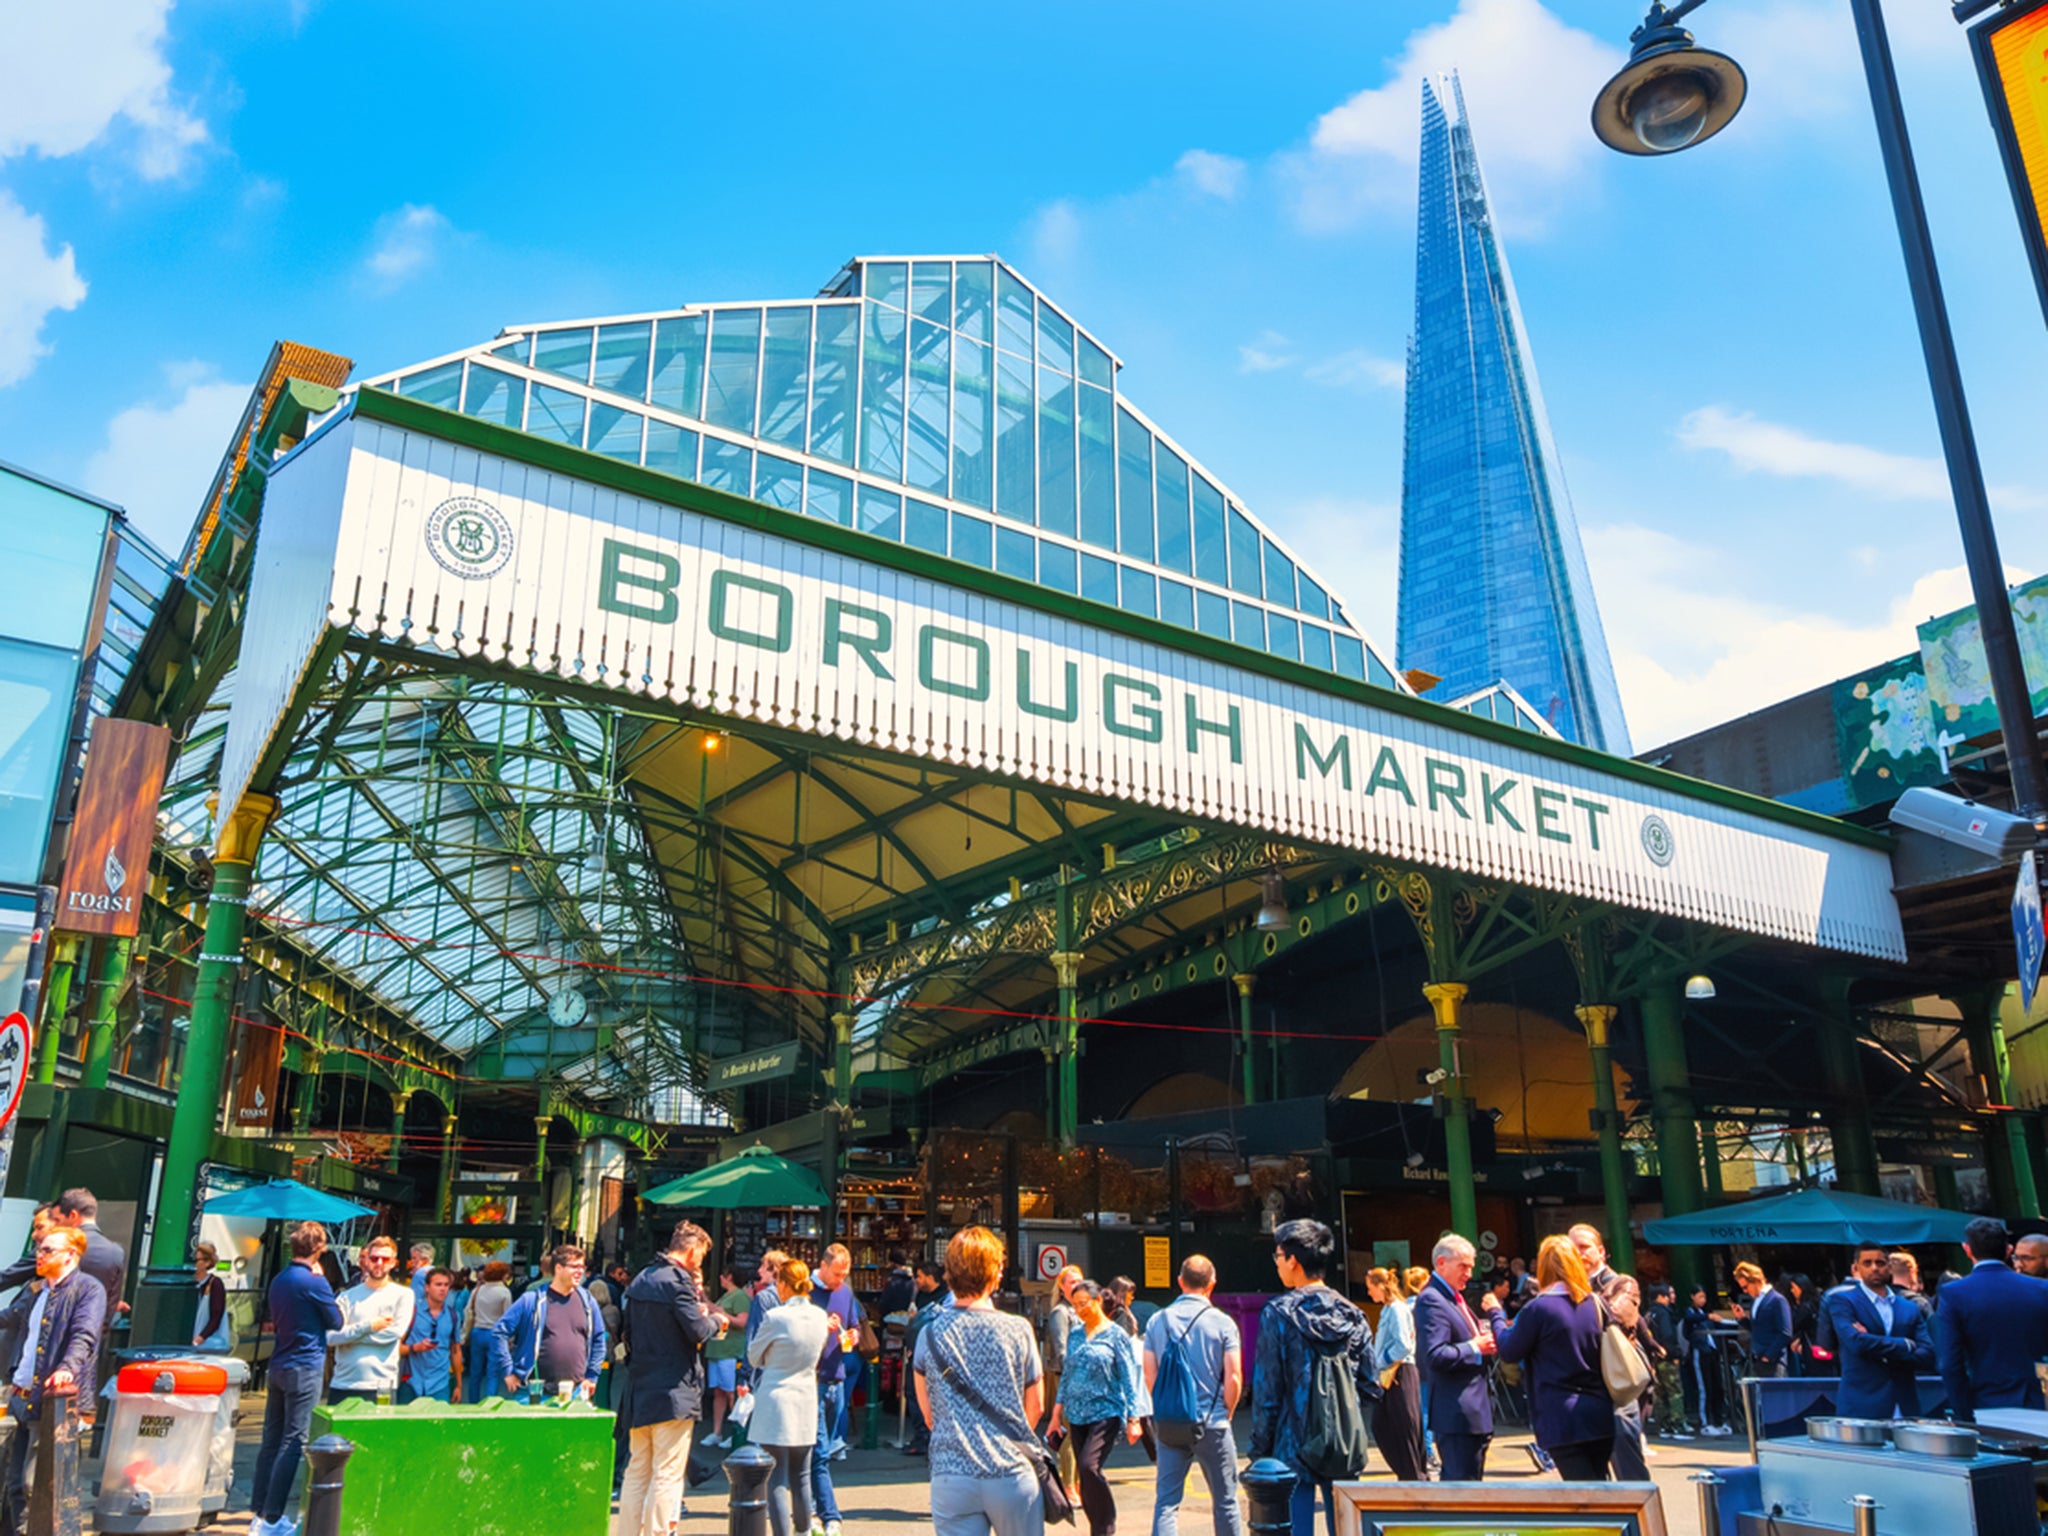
1724	337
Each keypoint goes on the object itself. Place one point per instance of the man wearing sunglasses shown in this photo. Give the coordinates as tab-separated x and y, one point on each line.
376	1315
57	1347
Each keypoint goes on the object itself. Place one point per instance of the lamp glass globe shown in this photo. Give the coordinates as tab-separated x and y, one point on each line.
1669	110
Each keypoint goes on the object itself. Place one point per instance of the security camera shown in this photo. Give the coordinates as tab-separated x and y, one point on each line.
1438	1075
1981	828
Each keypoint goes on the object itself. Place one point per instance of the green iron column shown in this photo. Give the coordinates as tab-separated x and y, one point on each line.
1444	997
399	1102
306	1091
444	1186
1245	981
106	993
56	998
198	1109
1066	964
541	1121
1849	1118
2007	1158
1671	1114
1710	1159
1598	1018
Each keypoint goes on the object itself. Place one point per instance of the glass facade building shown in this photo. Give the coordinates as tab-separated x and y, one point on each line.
941	402
1494	586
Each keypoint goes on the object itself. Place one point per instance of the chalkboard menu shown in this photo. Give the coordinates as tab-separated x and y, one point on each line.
749	1239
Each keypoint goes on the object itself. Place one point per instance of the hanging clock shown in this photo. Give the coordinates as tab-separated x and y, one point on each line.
566	1009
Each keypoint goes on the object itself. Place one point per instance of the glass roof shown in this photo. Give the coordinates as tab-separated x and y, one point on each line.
941	402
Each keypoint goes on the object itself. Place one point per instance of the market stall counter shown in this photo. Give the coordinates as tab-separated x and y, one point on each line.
497	1468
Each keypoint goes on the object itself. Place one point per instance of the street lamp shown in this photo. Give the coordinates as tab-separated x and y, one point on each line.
1673	94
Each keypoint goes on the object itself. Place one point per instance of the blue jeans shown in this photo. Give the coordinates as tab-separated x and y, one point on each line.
287	1419
824	1506
1302	1508
1216	1450
477	1384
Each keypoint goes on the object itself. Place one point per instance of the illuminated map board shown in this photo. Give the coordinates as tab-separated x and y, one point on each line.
2012	61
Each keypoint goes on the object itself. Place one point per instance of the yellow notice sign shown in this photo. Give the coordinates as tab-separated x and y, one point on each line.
2012	60
1158	1263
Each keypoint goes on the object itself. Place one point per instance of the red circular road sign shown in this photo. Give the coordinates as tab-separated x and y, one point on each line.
14	1064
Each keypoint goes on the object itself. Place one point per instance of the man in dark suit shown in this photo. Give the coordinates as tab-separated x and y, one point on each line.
1990	1327
104	1260
666	1322
1452	1346
1770	1322
1880	1339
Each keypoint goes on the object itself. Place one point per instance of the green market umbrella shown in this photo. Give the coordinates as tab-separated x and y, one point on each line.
756	1177
1811	1216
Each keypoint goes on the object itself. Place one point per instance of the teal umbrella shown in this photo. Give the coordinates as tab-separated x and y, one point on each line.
755	1177
1811	1216
286	1200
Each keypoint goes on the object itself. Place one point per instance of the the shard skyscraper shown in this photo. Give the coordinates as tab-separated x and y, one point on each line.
1494	586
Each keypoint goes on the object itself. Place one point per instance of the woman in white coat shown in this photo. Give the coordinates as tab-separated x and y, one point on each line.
785	1351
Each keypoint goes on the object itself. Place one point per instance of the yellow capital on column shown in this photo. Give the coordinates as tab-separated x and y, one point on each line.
1066	965
1597	1017
1244	980
241	831
1444	997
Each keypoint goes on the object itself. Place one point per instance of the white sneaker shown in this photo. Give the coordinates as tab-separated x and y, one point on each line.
286	1526
831	1528
258	1526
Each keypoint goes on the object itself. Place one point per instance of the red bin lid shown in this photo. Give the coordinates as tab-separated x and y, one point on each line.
183	1376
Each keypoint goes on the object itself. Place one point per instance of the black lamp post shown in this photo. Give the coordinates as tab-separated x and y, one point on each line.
1673	94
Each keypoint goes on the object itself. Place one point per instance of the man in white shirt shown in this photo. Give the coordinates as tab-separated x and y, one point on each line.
376	1315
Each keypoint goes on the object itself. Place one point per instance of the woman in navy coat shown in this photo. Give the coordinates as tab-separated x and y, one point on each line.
1556	1338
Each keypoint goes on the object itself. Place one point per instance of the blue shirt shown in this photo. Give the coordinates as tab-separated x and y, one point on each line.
1100	1379
1205	1338
302	1311
431	1369
843	1309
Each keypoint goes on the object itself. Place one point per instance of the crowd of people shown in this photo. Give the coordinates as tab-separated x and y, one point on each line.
1015	1419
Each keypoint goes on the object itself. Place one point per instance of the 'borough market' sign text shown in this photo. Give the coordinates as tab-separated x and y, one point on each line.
547	560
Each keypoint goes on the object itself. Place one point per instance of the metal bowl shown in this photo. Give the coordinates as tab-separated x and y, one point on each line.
1936	1440
1833	1431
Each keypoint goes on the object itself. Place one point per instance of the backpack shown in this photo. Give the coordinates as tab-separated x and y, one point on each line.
1333	1428
1176	1411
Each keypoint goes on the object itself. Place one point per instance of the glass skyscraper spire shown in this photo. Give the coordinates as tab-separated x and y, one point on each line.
1494	586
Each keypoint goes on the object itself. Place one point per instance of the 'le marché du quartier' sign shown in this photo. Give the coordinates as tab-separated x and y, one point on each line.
483	555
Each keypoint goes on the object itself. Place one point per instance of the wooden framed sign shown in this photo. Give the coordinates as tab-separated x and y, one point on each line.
1532	1508
106	868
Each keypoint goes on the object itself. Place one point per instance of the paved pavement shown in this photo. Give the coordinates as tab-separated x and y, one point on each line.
884	1489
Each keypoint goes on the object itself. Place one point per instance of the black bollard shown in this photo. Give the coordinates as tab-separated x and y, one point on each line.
54	1505
746	1480
329	1459
1269	1488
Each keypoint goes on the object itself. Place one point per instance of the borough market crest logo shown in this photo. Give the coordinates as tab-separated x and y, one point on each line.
1658	842
469	537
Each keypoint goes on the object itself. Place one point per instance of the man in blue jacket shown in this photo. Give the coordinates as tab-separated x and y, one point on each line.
1770	1322
1880	1340
56	1348
1990	1328
1452	1347
303	1312
667	1322
552	1333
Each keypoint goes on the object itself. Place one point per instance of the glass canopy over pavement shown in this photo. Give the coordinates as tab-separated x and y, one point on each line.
939	402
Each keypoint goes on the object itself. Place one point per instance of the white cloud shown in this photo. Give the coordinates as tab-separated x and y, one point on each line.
35	282
1270	353
1211	175
1055	235
160	455
1357	369
408	240
72	73
1692	648
1529	81
1771	448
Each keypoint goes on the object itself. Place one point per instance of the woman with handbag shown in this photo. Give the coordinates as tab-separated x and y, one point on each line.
785	1350
1102	1395
1624	1338
1397	1416
1556	1339
979	1389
